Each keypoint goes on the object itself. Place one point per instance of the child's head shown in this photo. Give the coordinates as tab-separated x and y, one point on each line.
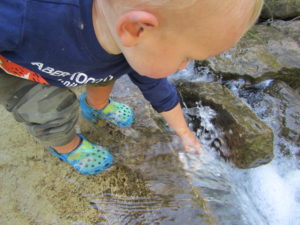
158	37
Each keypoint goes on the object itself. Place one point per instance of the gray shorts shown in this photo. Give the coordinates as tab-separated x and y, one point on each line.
49	113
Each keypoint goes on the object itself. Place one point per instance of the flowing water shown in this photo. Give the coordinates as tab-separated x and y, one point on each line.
154	182
207	190
267	195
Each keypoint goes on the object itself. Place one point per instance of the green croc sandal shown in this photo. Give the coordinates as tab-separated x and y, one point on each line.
115	112
87	158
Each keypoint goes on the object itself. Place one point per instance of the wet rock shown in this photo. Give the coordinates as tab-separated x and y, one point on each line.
281	9
212	181
243	138
290	29
278	105
266	52
126	92
37	188
145	183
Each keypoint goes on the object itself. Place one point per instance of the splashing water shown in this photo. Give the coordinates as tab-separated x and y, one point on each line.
189	73
267	195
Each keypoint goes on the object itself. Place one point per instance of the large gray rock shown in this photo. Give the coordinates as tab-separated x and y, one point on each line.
290	29
243	138
267	51
281	9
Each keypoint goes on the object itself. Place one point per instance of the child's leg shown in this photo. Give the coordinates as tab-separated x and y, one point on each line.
98	96
49	113
69	147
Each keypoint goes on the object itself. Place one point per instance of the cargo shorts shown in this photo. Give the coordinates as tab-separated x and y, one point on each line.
49	113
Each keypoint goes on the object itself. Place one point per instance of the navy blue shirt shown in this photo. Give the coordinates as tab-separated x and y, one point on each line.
53	42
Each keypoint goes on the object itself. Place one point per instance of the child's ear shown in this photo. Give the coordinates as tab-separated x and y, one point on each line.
134	25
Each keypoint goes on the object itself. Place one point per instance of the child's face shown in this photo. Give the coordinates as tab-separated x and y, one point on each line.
193	37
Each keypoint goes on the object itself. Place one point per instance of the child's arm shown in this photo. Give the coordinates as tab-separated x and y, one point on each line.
176	121
163	97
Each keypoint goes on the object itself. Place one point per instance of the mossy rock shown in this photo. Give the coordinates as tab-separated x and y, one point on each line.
267	51
281	9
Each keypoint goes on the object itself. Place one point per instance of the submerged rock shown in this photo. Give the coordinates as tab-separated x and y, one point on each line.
243	138
266	52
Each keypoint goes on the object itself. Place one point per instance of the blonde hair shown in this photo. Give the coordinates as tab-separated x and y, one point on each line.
167	7
181	4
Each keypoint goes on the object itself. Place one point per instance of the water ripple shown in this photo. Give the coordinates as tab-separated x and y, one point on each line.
153	210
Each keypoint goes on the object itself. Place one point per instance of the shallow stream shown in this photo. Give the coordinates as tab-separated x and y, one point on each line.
185	188
153	181
267	195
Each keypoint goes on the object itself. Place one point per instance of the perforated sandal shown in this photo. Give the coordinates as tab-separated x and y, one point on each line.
117	113
87	158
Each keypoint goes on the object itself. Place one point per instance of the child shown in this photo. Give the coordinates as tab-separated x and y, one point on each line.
64	43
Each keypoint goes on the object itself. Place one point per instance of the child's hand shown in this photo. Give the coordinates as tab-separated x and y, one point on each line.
176	121
190	142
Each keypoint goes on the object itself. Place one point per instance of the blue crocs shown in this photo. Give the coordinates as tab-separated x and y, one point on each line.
115	112
87	158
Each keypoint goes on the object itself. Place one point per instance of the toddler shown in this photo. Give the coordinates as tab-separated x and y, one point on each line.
53	45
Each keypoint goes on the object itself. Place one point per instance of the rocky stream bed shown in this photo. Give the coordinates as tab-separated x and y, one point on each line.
244	106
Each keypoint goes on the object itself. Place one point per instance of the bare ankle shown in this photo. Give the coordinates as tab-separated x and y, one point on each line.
97	105
71	146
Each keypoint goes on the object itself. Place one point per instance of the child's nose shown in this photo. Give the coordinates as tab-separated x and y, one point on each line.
183	65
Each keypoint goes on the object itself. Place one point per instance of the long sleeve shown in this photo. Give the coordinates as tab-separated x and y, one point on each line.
11	23
161	94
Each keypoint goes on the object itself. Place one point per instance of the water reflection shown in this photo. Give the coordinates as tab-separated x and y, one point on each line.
188	189
151	210
167	196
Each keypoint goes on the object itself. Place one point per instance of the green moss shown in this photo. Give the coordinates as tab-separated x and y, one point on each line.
289	76
207	215
269	59
254	34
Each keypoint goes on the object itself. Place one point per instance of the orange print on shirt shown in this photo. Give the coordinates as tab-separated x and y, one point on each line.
19	71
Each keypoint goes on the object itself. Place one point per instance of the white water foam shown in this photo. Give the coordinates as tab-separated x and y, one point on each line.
189	73
268	195
274	196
